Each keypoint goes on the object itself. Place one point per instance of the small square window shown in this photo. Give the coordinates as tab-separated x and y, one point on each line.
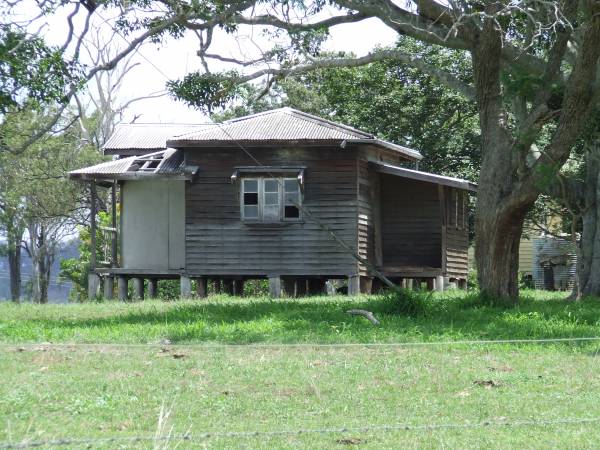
270	199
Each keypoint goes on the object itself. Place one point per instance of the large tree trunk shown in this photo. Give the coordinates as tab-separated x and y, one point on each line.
499	217
14	263
589	256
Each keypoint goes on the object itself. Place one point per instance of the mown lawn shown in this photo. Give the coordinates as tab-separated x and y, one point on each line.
493	395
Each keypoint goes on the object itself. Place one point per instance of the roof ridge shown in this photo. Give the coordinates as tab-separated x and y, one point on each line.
326	122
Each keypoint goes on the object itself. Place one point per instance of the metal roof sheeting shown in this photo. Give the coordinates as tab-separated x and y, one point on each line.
276	125
146	136
172	163
282	125
423	176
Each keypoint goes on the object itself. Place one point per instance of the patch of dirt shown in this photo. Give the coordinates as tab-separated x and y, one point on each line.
501	369
164	351
350	441
488	384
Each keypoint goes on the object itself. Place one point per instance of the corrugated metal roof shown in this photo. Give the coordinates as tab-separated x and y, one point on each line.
146	136
171	163
283	124
423	176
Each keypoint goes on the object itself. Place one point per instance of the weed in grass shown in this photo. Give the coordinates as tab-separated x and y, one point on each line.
406	302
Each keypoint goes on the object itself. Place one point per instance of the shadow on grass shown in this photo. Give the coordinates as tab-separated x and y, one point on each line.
324	320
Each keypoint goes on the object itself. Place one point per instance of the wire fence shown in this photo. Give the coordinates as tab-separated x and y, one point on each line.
276	345
87	441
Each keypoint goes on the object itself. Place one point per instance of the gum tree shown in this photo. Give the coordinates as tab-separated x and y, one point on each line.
534	65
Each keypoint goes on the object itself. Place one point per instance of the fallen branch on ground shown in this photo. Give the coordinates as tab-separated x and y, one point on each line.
367	314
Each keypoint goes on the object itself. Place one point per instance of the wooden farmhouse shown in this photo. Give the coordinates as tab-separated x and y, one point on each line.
280	195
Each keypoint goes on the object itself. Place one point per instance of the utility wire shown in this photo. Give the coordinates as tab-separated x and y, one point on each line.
24	346
298	432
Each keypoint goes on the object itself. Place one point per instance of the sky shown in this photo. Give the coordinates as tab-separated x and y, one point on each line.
173	59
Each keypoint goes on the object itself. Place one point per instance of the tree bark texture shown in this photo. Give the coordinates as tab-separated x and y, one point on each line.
589	263
14	237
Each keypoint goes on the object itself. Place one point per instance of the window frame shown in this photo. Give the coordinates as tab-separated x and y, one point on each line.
261	200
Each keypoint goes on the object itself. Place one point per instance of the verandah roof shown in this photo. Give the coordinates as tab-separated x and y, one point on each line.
423	176
168	163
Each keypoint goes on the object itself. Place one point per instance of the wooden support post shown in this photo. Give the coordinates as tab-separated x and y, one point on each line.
228	287
376	286
430	284
217	286
138	288
152	288
185	286
275	286
93	285
366	285
109	287
93	226
353	285
416	284
201	287
439	283
238	287
114	261
122	288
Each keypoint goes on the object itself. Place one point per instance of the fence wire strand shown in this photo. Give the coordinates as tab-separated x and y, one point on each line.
277	433
276	345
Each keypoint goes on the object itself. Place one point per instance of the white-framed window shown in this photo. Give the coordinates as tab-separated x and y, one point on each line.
268	199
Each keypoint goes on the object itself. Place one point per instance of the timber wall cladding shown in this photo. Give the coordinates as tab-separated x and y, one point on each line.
457	234
369	202
411	223
219	243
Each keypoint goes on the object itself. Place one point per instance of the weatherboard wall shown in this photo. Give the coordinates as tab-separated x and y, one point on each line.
218	242
411	223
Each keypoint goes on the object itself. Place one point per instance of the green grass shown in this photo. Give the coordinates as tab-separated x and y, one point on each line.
314	320
51	392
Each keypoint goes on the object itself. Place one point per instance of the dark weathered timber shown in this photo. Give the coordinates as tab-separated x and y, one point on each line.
201	287
152	288
457	241
411	223
219	243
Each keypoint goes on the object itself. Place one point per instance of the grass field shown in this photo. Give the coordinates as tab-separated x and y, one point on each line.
184	378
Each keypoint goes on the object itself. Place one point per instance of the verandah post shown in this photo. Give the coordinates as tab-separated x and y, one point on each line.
275	286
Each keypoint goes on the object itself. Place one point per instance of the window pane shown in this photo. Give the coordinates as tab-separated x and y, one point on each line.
250	185
291	185
291	212
271	186
250	198
271	212
271	198
292	197
251	212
